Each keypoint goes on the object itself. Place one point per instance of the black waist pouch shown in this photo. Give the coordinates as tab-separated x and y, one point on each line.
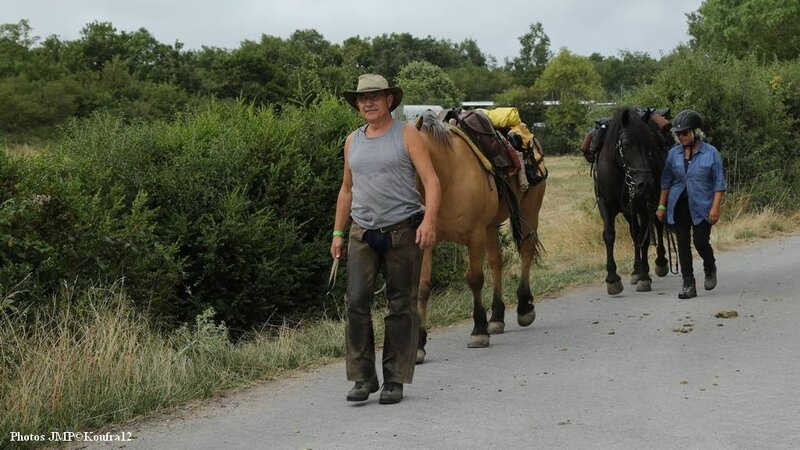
383	239
380	241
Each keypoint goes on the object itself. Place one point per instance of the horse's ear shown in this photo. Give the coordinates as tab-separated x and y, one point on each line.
418	123
647	113
626	117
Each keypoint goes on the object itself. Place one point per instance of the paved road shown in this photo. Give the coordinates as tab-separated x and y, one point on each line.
591	372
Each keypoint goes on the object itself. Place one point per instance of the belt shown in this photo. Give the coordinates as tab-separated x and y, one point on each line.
412	221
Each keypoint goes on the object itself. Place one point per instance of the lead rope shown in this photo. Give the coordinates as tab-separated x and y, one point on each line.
672	245
331	284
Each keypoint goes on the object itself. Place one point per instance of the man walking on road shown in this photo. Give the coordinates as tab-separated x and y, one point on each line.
382	161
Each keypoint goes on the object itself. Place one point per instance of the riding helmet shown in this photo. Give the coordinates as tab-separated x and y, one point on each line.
688	119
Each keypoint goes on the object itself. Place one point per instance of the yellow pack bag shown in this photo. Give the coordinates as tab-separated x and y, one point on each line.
503	117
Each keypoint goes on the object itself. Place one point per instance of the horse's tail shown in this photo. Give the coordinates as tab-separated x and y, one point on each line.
506	194
538	248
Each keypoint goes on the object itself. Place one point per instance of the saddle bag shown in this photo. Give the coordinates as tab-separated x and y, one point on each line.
523	140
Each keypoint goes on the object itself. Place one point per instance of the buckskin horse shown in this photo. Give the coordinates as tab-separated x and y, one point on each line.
471	214
627	175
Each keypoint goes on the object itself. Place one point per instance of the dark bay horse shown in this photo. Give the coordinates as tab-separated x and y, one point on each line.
627	175
471	214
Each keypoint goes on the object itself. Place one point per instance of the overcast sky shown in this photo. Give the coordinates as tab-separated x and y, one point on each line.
583	26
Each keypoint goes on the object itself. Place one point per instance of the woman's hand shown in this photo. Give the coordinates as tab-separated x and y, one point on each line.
661	214
713	215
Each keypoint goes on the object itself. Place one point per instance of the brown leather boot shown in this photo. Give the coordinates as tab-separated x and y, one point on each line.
362	389
391	393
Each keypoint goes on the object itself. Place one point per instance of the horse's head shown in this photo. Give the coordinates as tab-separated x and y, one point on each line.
632	141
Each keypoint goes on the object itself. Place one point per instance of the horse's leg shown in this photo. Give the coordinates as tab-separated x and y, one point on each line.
661	261
479	337
526	313
613	281
497	324
645	283
528	253
422	302
633	229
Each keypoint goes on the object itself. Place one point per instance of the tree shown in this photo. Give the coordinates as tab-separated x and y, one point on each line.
767	28
18	33
425	83
533	55
628	70
472	53
99	43
480	83
572	80
255	71
391	52
15	45
569	75
357	55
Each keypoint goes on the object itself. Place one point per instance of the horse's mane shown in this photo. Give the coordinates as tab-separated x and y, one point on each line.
438	131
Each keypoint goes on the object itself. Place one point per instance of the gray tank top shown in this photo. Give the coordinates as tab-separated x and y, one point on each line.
384	179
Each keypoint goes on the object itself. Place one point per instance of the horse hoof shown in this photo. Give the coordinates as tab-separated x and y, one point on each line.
635	278
480	341
420	356
662	271
526	319
644	286
615	287
496	327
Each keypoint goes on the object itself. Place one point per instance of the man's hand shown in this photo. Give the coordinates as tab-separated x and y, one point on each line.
426	234
337	247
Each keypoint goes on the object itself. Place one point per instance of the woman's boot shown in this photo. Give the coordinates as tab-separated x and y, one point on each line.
689	290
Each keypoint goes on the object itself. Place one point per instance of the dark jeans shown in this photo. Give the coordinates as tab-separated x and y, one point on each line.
684	228
399	259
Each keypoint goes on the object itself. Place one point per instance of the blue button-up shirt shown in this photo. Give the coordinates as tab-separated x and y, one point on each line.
703	178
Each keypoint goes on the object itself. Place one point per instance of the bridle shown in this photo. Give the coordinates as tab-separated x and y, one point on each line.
629	172
631	184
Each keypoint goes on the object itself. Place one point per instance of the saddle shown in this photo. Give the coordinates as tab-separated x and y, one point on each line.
491	143
593	140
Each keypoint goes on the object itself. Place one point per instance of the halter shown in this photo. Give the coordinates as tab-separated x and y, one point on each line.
629	171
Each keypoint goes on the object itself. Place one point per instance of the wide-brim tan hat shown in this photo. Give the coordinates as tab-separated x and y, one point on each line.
374	83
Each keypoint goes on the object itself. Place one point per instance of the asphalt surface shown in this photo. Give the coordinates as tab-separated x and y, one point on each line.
635	371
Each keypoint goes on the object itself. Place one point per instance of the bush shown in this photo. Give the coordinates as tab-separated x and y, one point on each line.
227	207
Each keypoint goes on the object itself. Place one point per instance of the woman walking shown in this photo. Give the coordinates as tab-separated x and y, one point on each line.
692	186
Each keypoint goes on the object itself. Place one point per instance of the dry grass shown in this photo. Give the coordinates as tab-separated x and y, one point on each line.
21	150
90	360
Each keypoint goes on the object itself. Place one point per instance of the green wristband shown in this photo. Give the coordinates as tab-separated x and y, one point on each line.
338	233
662	208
